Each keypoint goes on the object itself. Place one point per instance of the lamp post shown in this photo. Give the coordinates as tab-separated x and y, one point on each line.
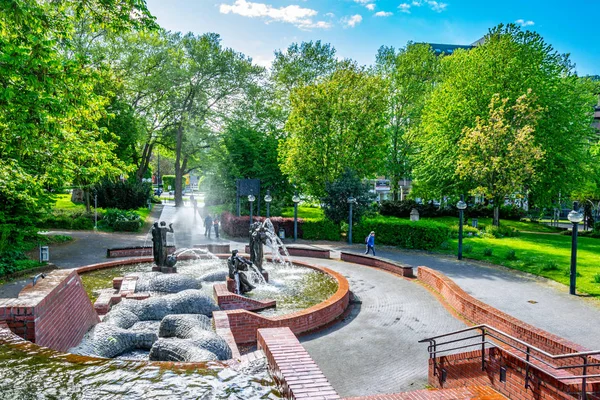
575	217
351	200
251	199
268	200
296	200
461	205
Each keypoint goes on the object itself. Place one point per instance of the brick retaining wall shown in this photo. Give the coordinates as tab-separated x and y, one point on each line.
292	367
41	312
377	262
135	251
231	301
301	251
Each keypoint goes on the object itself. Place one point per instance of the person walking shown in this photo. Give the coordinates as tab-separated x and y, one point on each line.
208	222
216	225
370	242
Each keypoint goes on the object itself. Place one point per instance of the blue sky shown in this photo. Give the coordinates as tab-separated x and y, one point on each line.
357	28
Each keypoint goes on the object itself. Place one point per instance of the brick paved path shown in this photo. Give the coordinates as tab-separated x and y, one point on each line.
375	349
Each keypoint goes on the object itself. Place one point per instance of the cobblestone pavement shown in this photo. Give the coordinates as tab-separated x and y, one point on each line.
538	301
375	350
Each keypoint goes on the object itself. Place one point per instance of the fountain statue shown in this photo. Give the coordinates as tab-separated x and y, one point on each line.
258	238
159	245
238	267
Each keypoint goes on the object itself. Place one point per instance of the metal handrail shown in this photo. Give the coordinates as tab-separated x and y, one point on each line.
486	330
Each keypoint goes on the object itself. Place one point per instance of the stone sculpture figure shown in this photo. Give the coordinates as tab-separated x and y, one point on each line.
258	238
238	266
159	245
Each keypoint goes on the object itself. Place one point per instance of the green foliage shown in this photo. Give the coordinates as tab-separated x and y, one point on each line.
402	209
125	195
424	235
511	255
445	245
500	231
120	220
467	248
320	229
335	202
68	219
336	124
488	252
597	278
467	229
168	181
550	266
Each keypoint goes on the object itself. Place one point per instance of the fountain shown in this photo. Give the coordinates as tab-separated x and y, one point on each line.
162	261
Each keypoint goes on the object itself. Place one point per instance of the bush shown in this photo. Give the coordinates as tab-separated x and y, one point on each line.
168	180
402	209
320	229
335	203
126	195
424	235
500	231
487	252
466	230
467	248
511	256
445	245
68	219
121	220
550	266
597	278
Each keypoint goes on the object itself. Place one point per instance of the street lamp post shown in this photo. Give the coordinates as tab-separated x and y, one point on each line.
461	205
251	199
268	200
575	217
351	201
296	200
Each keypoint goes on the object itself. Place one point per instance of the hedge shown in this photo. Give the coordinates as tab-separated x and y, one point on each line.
422	235
310	229
402	209
68	219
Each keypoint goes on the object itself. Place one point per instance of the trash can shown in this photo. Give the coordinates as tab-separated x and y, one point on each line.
474	222
44	254
281	233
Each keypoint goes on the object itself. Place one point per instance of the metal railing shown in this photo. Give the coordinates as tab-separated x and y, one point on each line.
531	354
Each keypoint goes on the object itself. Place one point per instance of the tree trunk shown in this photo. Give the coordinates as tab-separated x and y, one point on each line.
86	196
144	161
496	213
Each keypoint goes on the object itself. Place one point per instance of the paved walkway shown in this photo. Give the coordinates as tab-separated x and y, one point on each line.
538	301
375	350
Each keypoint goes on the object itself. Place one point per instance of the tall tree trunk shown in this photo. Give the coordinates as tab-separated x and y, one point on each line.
496	212
178	168
144	161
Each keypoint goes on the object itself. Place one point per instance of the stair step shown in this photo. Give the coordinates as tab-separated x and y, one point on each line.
463	393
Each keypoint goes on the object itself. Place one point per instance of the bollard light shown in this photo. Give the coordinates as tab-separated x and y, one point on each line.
575	217
296	200
251	199
351	200
461	205
268	200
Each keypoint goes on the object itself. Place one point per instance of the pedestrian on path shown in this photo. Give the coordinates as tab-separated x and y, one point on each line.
216	225
370	242
208	222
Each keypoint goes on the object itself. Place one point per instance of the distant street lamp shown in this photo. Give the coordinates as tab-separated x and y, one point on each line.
351	200
461	205
251	199
575	217
268	200
296	200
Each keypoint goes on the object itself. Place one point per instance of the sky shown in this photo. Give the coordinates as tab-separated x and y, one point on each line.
357	28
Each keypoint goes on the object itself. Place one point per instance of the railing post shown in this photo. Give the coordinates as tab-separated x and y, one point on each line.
527	369
584	380
434	357
483	349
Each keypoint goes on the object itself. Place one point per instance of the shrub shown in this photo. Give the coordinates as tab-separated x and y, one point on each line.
467	248
127	195
597	278
500	231
320	229
466	230
68	219
402	209
487	252
424	235
511	256
445	245
121	220
168	180
335	203
550	266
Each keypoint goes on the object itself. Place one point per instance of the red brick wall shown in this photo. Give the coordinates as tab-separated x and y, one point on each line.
292	367
478	312
54	313
301	252
231	301
390	266
465	370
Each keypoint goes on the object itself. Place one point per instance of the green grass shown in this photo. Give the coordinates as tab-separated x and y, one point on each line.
303	212
544	255
518	225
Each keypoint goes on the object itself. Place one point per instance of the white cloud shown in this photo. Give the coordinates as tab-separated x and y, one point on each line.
435	6
293	14
524	23
370	6
362	1
417	3
405	8
383	14
263	61
330	15
352	21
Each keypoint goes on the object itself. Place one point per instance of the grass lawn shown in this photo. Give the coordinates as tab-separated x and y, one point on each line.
518	225
545	255
303	212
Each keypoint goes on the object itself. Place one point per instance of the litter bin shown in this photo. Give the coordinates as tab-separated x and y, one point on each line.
281	233
474	222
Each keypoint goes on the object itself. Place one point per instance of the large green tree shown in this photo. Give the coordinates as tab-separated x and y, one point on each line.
336	124
49	110
509	62
410	74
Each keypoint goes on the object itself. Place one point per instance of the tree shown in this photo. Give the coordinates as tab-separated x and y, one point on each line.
499	154
508	63
335	202
410	75
333	125
48	109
